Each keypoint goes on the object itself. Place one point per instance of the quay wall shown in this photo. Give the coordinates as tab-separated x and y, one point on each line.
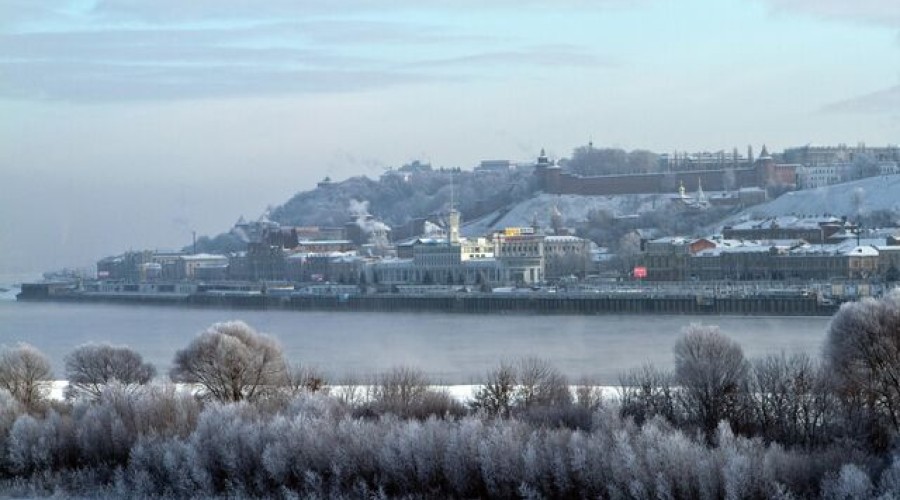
489	304
479	303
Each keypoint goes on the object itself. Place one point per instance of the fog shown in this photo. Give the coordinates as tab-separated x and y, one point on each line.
54	222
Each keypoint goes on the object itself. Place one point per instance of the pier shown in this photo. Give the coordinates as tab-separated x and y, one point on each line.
624	301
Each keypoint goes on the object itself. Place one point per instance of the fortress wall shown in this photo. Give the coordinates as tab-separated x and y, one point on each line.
557	182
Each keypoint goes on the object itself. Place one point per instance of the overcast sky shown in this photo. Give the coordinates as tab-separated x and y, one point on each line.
126	124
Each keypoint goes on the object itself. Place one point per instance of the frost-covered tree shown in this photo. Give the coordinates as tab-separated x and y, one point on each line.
407	392
540	384
710	369
851	483
90	367
10	410
645	393
588	393
303	378
788	400
231	362
495	396
863	352
41	444
25	372
400	388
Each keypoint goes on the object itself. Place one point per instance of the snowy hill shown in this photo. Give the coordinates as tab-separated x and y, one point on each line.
506	201
852	199
573	208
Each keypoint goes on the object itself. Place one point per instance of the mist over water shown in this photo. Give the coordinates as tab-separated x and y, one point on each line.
453	349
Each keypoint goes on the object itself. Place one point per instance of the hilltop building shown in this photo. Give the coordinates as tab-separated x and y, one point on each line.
811	155
491	166
764	173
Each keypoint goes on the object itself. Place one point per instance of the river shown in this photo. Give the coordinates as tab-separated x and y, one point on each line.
452	348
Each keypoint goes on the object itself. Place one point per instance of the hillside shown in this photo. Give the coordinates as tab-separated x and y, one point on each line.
492	201
395	198
574	210
400	196
874	197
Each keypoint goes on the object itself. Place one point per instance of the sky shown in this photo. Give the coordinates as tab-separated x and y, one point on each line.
128	124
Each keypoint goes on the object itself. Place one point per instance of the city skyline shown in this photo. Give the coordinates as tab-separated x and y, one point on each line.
131	124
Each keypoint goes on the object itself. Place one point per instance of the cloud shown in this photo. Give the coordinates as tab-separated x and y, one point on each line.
151	46
17	13
204	10
102	56
170	62
876	12
80	81
550	56
883	101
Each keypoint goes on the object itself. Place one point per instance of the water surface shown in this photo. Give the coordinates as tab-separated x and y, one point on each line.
453	348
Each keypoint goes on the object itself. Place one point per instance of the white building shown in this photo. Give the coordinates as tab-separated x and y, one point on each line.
813	176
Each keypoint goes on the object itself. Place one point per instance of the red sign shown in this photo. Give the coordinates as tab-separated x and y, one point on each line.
640	272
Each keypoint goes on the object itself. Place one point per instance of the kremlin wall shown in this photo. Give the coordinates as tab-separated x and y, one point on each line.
763	173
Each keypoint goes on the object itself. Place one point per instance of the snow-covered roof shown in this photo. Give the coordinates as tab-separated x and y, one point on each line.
748	246
672	240
324	242
563	239
869	234
784	222
335	254
734	246
862	251
394	262
204	256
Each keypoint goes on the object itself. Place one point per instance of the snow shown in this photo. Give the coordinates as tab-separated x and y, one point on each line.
850	199
462	393
204	256
862	251
785	221
572	207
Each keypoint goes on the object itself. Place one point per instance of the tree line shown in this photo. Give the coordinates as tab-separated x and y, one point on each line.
718	425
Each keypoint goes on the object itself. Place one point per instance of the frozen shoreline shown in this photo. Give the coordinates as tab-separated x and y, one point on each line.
462	392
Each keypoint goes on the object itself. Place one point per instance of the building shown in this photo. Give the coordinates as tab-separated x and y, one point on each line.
261	262
204	266
450	260
668	259
521	255
824	174
824	155
718	160
487	166
567	256
127	267
324	246
148	266
678	259
764	173
811	230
